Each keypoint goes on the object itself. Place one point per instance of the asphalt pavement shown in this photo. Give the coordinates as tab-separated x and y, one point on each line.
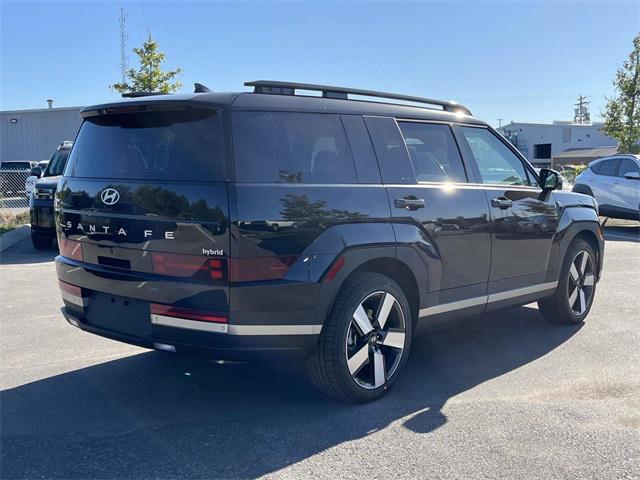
504	395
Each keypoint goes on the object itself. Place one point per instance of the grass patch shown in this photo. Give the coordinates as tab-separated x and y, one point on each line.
10	221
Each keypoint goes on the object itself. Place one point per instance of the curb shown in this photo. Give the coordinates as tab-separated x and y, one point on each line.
9	239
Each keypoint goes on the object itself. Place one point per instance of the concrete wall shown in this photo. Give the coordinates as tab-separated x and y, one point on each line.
560	136
34	134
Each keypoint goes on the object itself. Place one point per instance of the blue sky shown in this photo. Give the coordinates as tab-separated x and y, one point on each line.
516	60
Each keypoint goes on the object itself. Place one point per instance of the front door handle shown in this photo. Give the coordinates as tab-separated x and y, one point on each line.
501	202
409	203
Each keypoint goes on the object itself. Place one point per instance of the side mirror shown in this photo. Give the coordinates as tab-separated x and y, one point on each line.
36	172
632	176
549	179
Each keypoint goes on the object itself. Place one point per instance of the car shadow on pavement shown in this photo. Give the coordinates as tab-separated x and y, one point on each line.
24	253
622	233
158	415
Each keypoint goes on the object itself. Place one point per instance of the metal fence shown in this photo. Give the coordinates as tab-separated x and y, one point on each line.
14	197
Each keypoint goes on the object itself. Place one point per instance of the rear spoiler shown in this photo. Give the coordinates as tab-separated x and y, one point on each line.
140	106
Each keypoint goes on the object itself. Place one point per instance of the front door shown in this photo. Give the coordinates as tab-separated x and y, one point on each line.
524	218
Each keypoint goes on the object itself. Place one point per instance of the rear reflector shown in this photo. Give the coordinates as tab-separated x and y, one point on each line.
187	313
70	249
177	265
335	268
72	294
254	269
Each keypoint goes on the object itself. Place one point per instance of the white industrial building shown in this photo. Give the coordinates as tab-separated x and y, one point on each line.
34	134
541	142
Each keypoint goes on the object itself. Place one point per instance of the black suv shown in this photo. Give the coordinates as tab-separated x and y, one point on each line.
271	222
43	228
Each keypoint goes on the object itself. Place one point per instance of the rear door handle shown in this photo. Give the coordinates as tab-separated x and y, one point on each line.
501	202
409	203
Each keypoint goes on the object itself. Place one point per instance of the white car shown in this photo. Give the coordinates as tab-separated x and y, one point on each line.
32	179
615	184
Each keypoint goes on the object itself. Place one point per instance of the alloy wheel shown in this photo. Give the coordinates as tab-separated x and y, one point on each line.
581	282
375	340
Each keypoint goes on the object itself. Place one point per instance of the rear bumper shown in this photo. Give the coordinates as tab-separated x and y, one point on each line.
117	306
216	346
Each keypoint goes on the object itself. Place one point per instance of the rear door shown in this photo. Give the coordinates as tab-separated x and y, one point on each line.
603	182
145	192
627	190
428	187
524	218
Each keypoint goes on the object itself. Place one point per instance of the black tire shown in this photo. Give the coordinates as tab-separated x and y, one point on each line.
560	308
328	365
41	242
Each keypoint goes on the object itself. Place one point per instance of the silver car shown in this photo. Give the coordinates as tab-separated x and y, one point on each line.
615	184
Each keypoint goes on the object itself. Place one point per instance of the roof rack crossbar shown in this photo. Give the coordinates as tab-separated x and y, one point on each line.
289	88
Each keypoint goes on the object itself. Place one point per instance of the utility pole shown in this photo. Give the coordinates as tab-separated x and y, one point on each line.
500	122
581	112
123	43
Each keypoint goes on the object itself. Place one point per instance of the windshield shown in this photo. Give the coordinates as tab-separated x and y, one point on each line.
57	163
185	144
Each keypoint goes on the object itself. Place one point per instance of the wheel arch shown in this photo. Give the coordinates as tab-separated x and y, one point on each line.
577	222
584	189
379	260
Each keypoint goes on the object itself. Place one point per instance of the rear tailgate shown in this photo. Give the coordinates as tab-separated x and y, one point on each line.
144	194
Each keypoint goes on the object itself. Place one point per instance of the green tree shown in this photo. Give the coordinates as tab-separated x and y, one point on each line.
149	77
622	114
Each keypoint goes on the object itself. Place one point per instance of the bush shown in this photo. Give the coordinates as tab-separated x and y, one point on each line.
9	220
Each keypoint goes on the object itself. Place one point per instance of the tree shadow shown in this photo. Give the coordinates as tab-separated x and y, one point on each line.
156	415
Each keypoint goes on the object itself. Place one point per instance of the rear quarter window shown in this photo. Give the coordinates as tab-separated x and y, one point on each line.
185	144
280	147
608	168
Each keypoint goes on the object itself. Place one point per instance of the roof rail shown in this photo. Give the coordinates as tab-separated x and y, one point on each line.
289	88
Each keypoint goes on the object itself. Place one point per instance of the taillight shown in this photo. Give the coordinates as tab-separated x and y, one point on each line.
187	313
259	268
177	265
72	289
70	249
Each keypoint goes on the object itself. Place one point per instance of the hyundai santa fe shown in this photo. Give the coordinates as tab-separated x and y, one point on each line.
333	229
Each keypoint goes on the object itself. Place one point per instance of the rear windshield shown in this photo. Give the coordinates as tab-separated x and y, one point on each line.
57	163
160	145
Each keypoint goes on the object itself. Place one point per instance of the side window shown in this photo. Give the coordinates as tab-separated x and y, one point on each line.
496	163
395	164
433	152
291	148
609	168
627	166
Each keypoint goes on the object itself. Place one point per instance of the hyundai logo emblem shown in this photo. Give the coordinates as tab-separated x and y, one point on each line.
110	196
